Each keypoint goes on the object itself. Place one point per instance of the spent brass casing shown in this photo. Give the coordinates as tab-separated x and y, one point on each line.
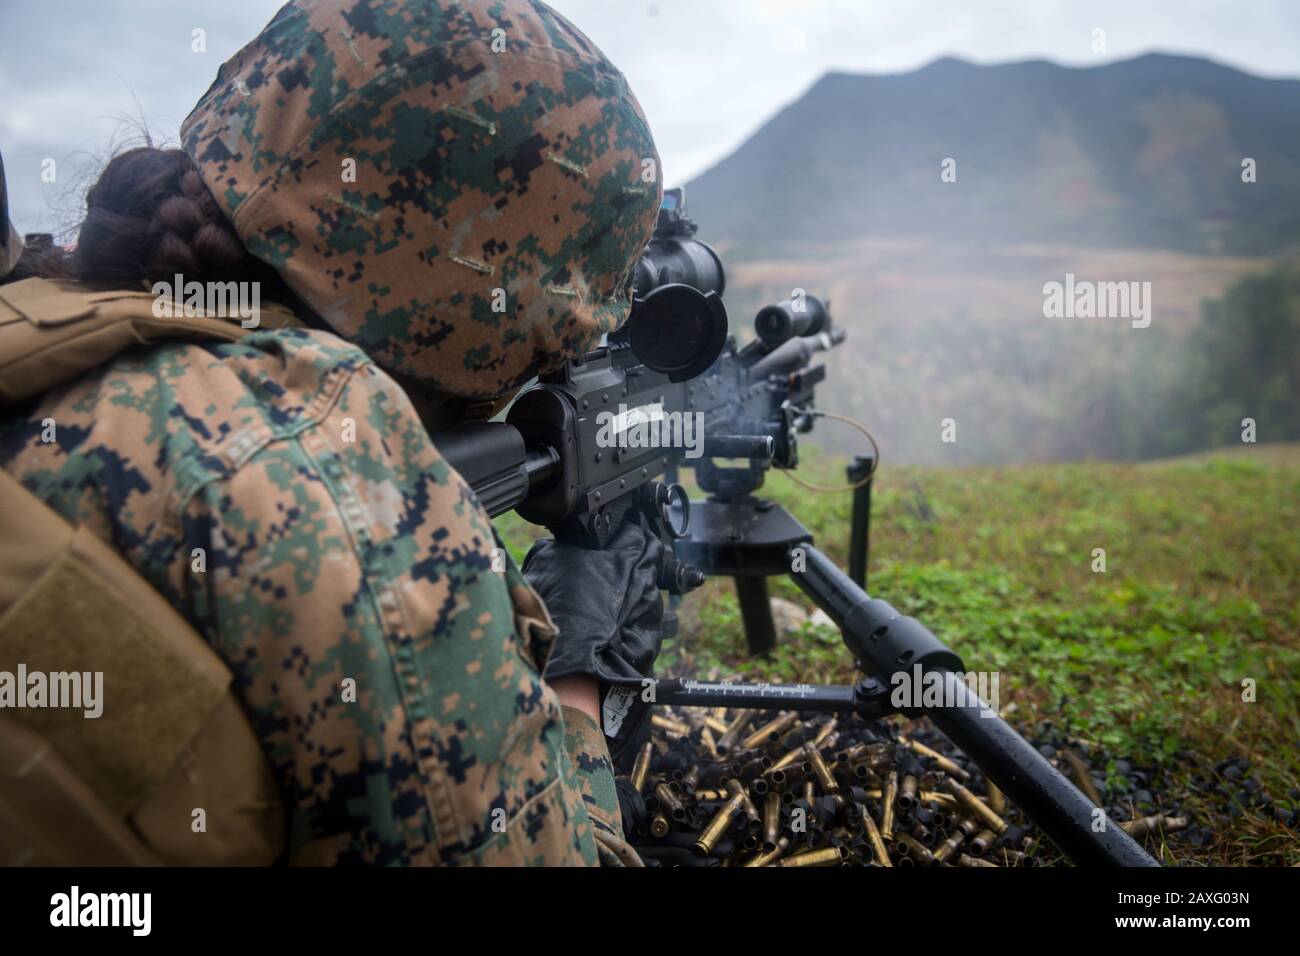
670	726
826	730
1079	771
891	796
948	847
826	856
770	730
946	764
907	792
964	860
937	796
826	743
799	771
668	798
732	733
976	806
823	773
850	755
858	773
709	837
771	856
746	803
659	825
914	848
711	745
980	843
786	759
875	839
771	820
1159	821
996	798
712	794
752	769
641	769
715	725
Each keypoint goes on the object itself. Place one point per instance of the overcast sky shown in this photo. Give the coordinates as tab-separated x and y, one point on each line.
77	73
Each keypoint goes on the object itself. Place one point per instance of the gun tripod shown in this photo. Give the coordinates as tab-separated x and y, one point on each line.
750	539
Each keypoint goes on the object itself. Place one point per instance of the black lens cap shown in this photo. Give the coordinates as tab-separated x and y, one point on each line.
678	330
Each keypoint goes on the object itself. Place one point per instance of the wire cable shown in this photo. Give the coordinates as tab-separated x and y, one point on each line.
839	489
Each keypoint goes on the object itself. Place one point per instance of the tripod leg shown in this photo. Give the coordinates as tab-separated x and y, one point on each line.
860	534
756	611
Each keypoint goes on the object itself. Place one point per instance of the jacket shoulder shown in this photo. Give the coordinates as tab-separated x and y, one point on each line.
137	437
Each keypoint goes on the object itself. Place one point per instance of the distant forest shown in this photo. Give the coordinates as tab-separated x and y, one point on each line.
1241	361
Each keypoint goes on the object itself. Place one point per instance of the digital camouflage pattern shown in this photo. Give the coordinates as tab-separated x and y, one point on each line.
336	545
505	180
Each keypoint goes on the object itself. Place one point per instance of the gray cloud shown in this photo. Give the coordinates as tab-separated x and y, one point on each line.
81	76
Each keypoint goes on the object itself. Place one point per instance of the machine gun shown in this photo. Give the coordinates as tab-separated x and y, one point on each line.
602	441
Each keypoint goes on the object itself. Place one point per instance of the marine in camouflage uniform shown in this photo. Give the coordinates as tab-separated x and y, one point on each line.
459	192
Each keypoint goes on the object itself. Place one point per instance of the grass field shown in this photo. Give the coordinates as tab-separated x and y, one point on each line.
1201	592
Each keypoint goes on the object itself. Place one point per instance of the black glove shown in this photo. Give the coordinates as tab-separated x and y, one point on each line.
611	619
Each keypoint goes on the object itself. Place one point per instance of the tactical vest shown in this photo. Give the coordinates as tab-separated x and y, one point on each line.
172	748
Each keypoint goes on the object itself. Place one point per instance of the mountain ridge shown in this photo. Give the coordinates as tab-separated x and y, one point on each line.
1146	151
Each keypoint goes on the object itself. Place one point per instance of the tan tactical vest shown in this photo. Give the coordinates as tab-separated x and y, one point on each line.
172	748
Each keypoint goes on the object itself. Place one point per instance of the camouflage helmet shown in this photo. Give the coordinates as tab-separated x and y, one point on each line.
460	188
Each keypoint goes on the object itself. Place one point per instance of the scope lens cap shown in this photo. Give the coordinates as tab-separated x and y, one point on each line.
678	330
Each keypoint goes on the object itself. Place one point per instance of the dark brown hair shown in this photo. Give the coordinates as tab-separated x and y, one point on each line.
149	216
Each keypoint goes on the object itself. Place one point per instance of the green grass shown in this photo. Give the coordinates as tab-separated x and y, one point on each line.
1201	591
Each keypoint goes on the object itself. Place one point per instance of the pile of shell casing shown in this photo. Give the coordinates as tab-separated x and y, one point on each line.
765	788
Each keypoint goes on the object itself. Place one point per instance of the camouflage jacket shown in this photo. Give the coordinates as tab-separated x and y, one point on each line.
283	495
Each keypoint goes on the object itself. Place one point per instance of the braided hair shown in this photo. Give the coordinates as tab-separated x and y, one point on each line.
149	217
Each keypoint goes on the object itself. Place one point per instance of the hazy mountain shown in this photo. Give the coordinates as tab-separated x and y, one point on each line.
1144	152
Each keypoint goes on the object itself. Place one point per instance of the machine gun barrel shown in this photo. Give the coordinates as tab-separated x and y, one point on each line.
740	446
887	642
794	353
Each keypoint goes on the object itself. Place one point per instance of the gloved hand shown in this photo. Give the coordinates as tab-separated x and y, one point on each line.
611	621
